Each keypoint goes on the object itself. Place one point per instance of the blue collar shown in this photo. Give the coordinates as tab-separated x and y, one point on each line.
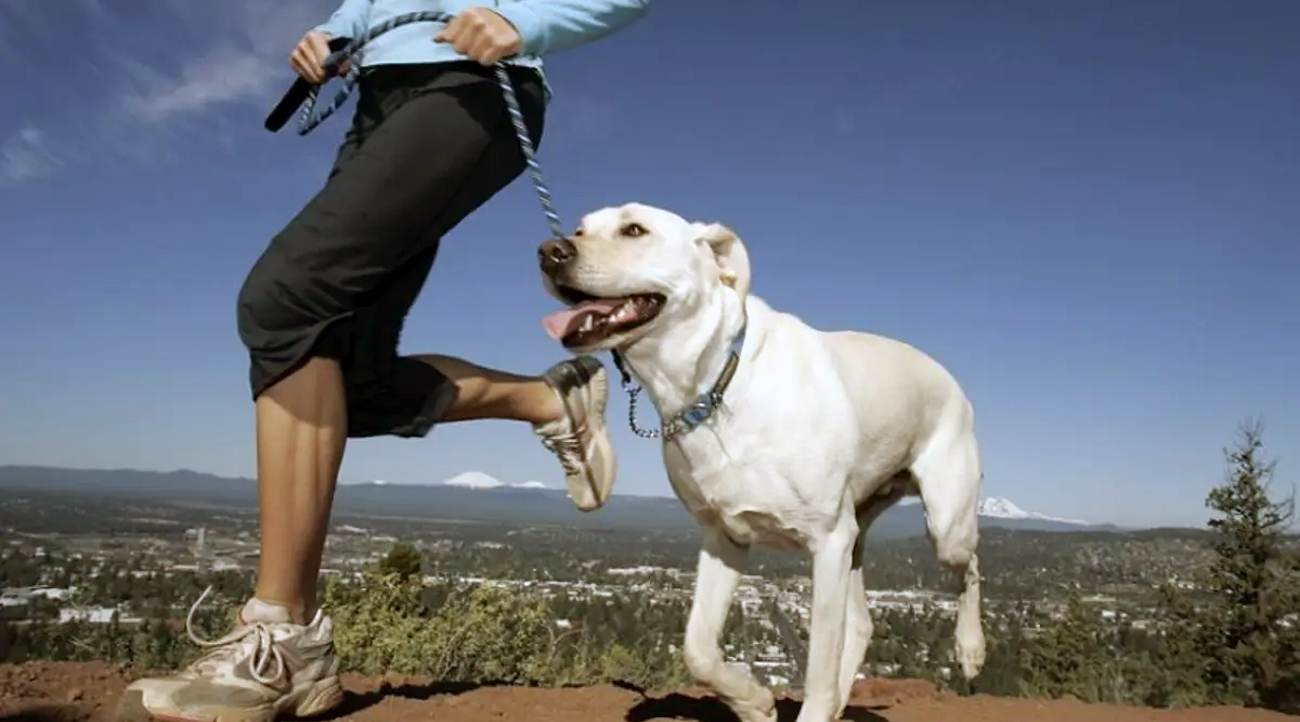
699	410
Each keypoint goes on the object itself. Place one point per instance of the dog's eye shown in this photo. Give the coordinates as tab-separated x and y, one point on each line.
633	230
577	233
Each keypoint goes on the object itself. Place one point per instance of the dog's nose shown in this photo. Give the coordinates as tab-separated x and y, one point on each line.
555	253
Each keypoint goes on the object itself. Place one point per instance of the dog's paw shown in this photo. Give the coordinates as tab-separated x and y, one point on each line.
759	707
971	657
753	715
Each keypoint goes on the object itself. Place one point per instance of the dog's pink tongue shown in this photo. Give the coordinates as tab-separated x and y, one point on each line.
562	323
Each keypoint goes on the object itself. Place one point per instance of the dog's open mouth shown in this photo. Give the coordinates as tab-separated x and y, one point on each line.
590	320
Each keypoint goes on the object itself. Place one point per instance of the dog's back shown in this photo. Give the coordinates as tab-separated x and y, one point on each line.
887	375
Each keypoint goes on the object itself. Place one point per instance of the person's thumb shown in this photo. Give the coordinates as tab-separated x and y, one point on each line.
448	31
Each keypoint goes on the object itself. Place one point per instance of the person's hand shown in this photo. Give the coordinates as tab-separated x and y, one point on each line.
482	35
308	57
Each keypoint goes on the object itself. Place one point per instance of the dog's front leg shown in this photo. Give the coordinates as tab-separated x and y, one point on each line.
716	579
832	560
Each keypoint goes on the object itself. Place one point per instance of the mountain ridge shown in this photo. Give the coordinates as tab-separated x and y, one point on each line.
481	499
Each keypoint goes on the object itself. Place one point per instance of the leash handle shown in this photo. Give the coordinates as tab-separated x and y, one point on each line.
284	110
301	90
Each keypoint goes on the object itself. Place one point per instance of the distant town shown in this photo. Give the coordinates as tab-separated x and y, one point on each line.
196	537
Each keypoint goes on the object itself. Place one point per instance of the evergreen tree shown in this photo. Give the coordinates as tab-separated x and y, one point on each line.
403	559
1253	575
1244	639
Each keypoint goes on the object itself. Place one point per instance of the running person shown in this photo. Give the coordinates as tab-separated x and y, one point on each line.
322	309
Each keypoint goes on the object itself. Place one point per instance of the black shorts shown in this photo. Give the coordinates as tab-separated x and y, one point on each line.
428	145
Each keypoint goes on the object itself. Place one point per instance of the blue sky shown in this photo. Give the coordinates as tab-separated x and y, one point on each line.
1087	211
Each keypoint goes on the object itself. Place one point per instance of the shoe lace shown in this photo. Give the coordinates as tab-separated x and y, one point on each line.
568	447
254	639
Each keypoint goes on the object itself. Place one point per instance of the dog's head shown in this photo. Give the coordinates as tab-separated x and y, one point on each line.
629	270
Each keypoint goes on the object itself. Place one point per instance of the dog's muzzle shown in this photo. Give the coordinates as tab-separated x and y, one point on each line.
555	254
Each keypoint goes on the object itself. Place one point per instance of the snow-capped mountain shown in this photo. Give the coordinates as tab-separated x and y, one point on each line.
996	508
474	480
480	480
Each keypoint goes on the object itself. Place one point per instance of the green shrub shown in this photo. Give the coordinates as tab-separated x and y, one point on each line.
482	633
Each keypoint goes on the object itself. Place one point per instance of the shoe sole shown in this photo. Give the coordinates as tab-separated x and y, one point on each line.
322	696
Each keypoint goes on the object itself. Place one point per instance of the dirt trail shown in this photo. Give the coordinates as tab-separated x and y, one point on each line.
47	692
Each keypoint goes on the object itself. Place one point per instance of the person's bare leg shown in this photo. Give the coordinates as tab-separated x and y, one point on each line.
301	434
565	405
483	393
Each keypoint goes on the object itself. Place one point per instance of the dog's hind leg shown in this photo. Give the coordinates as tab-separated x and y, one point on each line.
949	475
716	578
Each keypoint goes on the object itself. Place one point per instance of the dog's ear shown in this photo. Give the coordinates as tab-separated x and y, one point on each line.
729	253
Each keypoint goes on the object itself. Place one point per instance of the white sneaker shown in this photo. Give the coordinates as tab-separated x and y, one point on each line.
579	438
256	673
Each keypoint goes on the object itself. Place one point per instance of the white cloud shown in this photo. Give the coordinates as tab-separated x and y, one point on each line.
25	156
165	80
247	61
224	75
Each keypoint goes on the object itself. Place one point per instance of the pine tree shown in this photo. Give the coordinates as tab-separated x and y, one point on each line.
1244	640
1252	573
403	559
1062	659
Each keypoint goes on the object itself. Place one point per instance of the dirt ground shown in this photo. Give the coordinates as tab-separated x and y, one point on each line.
48	692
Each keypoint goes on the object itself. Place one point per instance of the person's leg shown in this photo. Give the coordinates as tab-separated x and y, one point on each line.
404	163
316	313
306	413
484	393
565	405
301	430
295	517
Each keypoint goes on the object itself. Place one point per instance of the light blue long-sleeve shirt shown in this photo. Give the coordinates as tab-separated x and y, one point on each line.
545	26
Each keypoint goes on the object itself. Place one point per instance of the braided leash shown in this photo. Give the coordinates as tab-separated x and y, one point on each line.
312	116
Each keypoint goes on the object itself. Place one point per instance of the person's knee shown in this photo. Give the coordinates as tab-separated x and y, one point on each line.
272	316
282	330
261	308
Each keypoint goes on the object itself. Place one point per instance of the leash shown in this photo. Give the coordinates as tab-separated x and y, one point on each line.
305	94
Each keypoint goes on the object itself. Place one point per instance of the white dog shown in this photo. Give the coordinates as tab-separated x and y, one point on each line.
807	437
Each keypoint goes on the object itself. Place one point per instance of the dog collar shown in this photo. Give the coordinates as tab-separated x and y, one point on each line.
699	410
